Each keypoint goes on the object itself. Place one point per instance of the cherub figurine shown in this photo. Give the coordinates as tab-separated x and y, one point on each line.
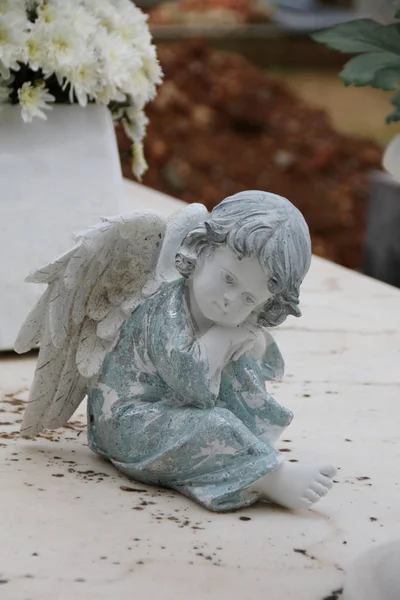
162	325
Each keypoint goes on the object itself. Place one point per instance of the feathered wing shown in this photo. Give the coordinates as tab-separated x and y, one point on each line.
92	290
179	225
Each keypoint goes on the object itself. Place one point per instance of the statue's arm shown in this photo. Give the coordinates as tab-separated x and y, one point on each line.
217	346
180	360
197	365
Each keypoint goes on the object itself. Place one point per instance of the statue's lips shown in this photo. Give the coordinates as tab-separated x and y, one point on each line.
223	310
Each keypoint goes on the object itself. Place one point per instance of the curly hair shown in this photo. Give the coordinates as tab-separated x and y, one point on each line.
261	224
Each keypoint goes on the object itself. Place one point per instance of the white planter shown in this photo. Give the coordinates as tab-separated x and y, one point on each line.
57	177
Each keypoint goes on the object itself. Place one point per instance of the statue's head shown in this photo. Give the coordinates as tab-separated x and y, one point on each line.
249	258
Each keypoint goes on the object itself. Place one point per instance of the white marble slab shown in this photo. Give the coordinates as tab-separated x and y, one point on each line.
68	530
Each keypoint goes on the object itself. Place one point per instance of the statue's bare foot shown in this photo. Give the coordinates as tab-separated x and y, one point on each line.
296	486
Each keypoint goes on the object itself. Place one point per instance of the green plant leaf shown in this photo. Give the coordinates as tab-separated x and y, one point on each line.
395	115
378	63
396	100
361	35
377	69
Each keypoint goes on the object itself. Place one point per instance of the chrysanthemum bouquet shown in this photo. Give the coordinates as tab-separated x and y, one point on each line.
84	51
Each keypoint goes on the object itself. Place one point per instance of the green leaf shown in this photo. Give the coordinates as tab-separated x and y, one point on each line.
361	35
395	115
378	64
396	100
377	69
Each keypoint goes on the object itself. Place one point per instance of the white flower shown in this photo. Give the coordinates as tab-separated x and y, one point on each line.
83	78
135	124
6	6
131	26
33	99
152	67
13	33
84	23
61	46
117	60
94	50
140	88
139	164
391	157
108	93
48	13
33	52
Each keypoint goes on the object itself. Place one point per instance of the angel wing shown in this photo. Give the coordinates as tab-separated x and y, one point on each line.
92	290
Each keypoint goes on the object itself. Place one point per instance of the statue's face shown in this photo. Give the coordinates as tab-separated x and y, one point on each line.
227	289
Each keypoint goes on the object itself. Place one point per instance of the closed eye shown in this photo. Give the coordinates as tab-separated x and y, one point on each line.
248	299
227	277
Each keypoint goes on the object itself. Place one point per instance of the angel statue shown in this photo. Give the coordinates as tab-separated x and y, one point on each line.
161	323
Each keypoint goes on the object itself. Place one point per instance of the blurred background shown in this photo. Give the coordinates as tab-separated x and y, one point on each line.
249	101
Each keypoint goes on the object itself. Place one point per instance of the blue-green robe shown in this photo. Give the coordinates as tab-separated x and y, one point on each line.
153	414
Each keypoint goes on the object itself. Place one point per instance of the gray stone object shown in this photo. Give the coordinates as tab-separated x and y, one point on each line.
162	324
382	238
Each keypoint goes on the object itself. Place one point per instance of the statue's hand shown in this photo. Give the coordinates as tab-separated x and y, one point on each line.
259	348
237	340
249	340
224	344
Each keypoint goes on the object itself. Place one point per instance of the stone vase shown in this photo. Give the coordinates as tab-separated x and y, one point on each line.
57	177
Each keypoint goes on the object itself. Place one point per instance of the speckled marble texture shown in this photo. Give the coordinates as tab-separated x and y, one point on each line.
73	527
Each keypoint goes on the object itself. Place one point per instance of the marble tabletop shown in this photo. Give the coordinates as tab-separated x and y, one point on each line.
73	527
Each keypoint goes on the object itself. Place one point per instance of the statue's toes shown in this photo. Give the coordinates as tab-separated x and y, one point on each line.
319	489
325	481
312	496
328	471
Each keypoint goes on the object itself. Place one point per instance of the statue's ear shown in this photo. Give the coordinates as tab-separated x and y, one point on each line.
185	265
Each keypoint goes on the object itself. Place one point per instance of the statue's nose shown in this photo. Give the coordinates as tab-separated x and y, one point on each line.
227	300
